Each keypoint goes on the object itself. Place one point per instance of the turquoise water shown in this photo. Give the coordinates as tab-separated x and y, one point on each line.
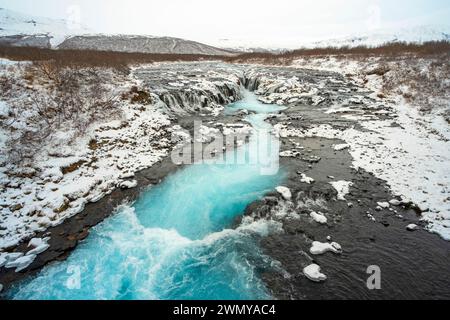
176	241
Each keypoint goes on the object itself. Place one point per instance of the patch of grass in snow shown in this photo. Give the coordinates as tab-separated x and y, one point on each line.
73	167
137	96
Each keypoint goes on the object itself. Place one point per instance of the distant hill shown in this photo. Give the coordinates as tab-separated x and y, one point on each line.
142	44
417	34
17	29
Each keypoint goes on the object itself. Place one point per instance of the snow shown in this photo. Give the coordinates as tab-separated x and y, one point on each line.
377	37
4	109
285	192
384	205
7	62
39	245
312	272
306	179
128	184
15	23
140	43
414	33
342	187
289	154
340	147
412	227
318	248
21	263
3	260
319	217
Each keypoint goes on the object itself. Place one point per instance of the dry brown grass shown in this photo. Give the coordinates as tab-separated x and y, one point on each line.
92	58
68	98
388	50
121	60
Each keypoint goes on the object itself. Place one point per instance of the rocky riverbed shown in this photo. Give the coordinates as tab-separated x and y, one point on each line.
353	179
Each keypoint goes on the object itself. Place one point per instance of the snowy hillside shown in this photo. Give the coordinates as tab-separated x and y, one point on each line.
418	34
24	30
143	44
17	29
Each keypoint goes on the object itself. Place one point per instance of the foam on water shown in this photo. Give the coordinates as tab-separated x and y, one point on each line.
175	242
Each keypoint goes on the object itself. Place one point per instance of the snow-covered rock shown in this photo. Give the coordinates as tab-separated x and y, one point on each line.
319	217
312	272
395	202
21	263
412	227
285	192
129	184
340	147
39	245
383	205
305	179
3	259
321	248
342	187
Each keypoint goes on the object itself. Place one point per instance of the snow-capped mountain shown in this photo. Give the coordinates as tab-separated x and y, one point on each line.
417	34
23	30
142	44
17	29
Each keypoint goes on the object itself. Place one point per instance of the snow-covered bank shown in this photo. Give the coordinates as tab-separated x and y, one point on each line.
406	145
413	161
72	168
64	178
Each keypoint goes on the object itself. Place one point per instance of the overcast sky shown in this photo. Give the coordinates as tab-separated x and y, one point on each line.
275	21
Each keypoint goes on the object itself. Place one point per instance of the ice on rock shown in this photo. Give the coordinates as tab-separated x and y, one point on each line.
321	248
319	217
340	147
4	109
128	184
44	222
13	256
285	192
412	227
21	263
3	260
126	175
383	205
312	272
39	245
289	154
